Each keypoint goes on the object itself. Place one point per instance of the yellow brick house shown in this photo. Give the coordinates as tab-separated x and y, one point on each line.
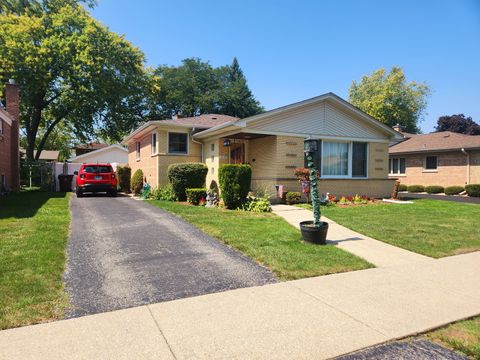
352	146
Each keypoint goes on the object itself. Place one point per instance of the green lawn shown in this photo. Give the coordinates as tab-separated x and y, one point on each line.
463	336
33	236
430	227
269	240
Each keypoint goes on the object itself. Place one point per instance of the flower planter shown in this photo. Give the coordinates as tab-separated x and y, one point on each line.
313	234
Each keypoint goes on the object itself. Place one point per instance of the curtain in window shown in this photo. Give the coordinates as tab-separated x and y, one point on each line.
335	159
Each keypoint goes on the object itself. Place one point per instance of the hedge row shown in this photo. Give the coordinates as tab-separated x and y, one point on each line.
453	190
434	189
123	175
473	190
195	196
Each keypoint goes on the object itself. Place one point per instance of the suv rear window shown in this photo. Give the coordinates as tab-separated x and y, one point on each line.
91	169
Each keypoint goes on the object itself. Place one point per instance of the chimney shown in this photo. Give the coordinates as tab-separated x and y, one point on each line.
12	100
398	127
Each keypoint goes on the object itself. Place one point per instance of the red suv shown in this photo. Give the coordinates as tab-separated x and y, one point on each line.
96	178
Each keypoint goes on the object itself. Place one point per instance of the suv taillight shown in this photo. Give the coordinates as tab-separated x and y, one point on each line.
82	176
113	176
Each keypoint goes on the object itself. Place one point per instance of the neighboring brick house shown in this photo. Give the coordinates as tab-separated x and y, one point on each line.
352	146
441	158
9	140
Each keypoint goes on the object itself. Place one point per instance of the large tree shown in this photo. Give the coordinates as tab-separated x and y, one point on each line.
458	123
389	98
195	87
70	69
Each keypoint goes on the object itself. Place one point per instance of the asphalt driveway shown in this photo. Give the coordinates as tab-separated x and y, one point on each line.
123	253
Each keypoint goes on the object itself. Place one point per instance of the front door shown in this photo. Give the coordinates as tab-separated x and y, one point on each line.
237	153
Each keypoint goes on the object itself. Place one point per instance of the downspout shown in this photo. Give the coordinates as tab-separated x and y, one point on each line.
468	164
197	142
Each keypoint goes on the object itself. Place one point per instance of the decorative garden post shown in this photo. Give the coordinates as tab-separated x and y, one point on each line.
310	146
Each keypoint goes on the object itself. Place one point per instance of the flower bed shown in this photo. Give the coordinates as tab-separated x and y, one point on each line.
346	201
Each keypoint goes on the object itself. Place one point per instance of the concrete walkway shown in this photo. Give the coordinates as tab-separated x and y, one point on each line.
376	252
317	318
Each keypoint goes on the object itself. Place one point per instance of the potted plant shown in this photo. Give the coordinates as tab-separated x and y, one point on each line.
313	231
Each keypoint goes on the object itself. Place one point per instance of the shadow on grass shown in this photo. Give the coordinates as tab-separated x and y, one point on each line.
25	204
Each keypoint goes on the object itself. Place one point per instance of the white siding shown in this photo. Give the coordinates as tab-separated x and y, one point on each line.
112	155
323	118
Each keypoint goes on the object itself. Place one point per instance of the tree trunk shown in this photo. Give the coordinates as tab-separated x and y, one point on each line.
42	143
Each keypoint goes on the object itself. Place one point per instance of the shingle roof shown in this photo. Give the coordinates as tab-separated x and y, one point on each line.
92	145
438	141
202	121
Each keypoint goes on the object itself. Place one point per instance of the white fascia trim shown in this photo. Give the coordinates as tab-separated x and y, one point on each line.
94	152
317	137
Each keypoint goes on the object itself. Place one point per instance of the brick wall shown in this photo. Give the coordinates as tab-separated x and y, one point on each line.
5	158
154	166
451	169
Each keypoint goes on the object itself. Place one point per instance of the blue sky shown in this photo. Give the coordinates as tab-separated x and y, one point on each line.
293	50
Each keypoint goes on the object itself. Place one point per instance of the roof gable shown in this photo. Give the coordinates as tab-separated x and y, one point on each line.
325	115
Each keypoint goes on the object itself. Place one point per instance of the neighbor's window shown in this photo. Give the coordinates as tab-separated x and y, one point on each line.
177	143
1	126
154	143
335	159
212	147
431	163
359	159
396	166
137	150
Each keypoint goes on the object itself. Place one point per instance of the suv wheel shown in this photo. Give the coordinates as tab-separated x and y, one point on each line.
113	193
79	193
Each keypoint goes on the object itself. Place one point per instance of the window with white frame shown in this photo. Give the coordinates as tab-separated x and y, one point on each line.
153	142
137	150
343	159
396	166
177	143
1	127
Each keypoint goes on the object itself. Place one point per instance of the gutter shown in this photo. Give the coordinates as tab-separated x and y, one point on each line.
468	164
196	142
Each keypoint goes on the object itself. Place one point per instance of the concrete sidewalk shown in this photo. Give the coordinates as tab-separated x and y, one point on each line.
317	318
375	252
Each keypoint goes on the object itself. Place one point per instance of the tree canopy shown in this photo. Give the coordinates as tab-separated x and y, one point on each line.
70	69
458	123
195	87
390	99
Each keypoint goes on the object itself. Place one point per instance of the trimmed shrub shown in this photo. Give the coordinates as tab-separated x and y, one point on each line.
434	189
473	190
136	183
416	188
453	190
165	193
402	187
124	175
184	176
234	184
194	196
293	197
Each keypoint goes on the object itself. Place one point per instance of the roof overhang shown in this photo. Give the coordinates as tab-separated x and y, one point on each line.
412	152
242	124
150	125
